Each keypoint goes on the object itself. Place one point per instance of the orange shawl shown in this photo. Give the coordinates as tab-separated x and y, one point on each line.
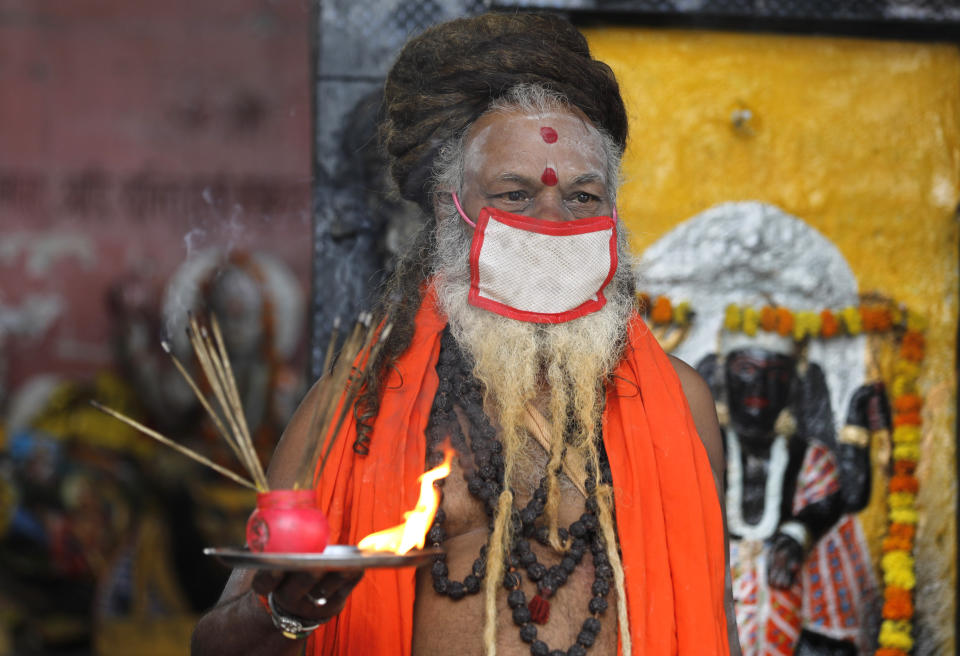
668	517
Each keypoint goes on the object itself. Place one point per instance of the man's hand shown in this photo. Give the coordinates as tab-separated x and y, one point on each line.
870	408
786	557
315	596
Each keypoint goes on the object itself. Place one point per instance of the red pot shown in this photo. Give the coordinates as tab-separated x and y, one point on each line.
287	521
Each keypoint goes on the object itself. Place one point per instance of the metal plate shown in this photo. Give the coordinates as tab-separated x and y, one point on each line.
335	557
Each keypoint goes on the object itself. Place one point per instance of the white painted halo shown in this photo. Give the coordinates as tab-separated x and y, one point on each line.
181	296
754	253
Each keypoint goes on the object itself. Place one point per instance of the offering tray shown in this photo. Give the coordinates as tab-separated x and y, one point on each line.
335	557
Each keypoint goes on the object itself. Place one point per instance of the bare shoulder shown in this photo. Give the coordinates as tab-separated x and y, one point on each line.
704	412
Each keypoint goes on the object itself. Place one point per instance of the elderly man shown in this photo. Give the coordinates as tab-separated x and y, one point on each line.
583	513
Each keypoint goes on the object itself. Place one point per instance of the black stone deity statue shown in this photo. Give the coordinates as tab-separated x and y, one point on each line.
801	572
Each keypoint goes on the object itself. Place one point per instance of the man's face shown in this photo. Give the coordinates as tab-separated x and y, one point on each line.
549	166
758	388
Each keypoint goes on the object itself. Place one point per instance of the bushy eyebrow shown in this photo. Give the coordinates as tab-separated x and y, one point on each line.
585	178
514	177
588	178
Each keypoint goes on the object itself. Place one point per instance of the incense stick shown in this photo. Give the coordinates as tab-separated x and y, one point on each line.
328	358
225	387
236	439
231	385
196	390
344	375
190	453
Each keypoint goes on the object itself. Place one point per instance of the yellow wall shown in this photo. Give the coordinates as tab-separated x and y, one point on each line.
859	138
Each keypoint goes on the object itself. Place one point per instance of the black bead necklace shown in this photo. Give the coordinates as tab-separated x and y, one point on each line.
485	483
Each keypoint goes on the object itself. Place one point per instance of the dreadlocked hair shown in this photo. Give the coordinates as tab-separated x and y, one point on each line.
399	301
586	441
502	536
446	78
575	410
607	521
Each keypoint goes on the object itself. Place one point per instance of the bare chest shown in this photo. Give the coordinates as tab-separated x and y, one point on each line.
444	626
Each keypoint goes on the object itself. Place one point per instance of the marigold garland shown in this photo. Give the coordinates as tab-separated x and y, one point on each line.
903	483
903	467
897	562
893	543
873	317
906	434
768	318
852	320
829	326
876	319
905	531
906	452
662	310
903	516
731	318
785	321
906	419
901	500
897	604
897	634
751	321
912	346
827	323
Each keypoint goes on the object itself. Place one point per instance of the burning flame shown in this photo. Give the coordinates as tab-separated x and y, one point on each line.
413	532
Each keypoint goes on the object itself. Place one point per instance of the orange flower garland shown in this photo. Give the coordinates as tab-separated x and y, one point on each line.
908	403
849	321
784	321
876	319
768	318
829	326
897	563
662	311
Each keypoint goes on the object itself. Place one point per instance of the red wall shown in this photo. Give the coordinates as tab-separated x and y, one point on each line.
131	133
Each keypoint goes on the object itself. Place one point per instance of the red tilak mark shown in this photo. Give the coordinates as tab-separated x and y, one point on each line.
549	134
549	177
539	610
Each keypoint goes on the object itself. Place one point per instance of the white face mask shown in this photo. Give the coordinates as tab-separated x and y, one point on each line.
537	270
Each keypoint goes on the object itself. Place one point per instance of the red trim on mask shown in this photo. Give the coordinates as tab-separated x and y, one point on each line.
541	226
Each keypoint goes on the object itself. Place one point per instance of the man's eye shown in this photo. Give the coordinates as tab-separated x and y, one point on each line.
515	196
584	197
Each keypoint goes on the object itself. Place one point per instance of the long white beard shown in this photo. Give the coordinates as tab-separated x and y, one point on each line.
520	363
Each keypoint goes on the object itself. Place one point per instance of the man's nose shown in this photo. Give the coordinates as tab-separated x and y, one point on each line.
551	208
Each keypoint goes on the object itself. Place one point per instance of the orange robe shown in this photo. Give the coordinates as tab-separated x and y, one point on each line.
668	515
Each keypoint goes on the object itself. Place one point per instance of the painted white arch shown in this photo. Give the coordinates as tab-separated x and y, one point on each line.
754	253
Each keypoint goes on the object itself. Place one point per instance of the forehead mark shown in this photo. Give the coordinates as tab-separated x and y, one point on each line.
549	134
549	177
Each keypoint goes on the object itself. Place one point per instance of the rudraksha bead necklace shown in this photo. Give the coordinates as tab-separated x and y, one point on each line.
458	387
